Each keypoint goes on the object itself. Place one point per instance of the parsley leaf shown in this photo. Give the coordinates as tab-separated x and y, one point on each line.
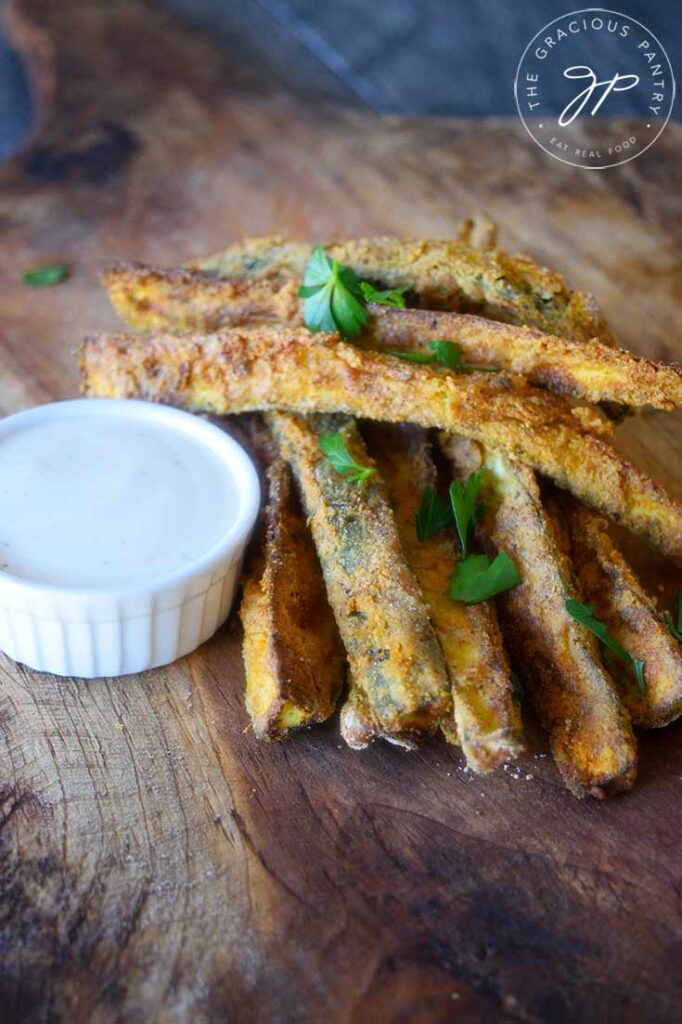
395	298
582	613
413	357
332	297
466	507
434	513
47	274
447	353
676	627
333	447
477	579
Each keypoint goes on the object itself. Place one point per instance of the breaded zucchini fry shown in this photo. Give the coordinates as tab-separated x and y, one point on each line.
488	723
394	657
293	656
265	368
184	301
150	299
440	274
573	696
615	593
588	369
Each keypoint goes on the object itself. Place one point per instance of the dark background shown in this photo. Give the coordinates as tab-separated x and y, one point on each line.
434	57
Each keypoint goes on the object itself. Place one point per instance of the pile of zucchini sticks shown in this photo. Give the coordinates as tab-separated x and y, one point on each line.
434	422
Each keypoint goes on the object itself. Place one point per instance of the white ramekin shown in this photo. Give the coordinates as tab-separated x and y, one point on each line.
109	631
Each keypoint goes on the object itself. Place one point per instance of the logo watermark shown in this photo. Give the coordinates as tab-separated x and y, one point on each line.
594	88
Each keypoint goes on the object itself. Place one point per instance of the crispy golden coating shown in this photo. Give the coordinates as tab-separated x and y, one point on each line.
187	301
440	274
293	655
615	593
150	299
588	369
488	723
393	653
574	697
268	368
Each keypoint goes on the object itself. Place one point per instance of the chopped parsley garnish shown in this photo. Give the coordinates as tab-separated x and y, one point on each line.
466	507
47	274
434	514
333	447
394	298
583	613
335	299
477	579
447	353
332	297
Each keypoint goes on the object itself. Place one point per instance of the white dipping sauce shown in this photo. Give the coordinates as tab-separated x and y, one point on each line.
92	502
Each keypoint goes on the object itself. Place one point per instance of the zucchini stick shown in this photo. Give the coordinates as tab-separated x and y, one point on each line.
589	370
394	657
574	697
293	656
184	301
487	722
264	368
149	299
440	274
618	599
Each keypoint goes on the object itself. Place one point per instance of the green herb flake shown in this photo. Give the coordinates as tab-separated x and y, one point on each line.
477	579
332	297
394	298
466	507
434	514
424	358
333	447
45	275
446	353
449	353
583	613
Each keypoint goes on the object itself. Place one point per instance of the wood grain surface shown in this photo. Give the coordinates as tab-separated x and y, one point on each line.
156	862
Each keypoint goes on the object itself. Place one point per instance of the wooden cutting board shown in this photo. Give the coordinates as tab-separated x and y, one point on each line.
156	862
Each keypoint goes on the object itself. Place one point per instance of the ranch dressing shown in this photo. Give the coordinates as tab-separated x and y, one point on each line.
93	502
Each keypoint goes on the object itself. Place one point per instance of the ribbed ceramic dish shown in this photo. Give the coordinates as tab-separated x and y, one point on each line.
112	631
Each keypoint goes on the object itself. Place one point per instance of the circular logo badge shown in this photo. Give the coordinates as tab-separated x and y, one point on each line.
594	88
